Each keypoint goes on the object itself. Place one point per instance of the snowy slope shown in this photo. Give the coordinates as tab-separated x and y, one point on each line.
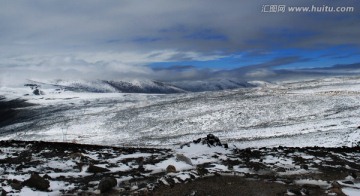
318	112
139	86
212	85
144	86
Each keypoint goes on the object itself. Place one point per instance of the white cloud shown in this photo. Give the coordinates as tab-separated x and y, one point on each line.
100	65
260	73
111	39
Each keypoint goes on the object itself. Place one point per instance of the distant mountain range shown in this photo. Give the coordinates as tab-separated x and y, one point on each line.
140	86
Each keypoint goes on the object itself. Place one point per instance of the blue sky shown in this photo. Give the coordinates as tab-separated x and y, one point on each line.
171	39
317	58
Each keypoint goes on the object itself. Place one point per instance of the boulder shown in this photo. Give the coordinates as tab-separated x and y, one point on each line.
348	182
15	184
3	192
354	175
306	167
23	157
280	169
46	176
201	170
106	184
36	92
294	191
183	158
37	182
170	169
95	169
210	140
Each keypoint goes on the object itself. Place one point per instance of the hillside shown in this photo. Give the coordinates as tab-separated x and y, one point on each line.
315	112
202	167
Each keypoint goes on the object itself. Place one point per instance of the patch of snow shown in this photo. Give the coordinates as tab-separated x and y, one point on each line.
321	183
351	191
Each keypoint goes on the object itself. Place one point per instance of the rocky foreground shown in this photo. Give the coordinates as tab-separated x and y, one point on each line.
202	167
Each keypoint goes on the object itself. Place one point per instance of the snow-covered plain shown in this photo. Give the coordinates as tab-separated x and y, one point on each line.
322	112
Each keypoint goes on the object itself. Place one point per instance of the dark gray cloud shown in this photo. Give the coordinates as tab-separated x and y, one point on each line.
351	67
176	67
279	61
264	71
200	25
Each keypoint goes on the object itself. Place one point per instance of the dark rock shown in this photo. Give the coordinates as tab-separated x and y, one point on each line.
212	140
354	175
36	92
201	170
25	154
23	157
47	177
79	166
84	188
305	191
170	169
197	141
304	167
142	185
299	160
32	86
348	182
280	169
295	191
311	186
192	176
256	166
106	184
3	193
125	185
15	184
37	182
95	169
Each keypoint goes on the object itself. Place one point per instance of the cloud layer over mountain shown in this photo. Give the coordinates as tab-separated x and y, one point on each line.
115	39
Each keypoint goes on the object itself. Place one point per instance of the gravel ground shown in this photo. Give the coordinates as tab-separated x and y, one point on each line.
78	169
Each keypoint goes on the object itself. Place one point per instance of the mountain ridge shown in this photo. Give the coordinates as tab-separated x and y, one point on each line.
141	86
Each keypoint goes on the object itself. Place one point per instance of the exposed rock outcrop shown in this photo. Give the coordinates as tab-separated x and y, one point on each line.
37	182
170	169
106	184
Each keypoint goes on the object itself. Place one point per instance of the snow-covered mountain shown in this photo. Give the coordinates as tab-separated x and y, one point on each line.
212	85
323	112
140	86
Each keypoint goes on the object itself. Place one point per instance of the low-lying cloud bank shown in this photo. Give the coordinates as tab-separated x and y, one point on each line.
124	66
